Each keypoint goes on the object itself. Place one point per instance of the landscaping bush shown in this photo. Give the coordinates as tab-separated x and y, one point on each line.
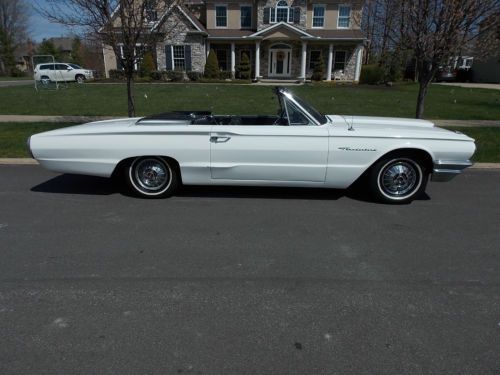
175	75
244	68
371	74
147	65
319	69
212	66
15	72
116	74
194	76
225	74
157	75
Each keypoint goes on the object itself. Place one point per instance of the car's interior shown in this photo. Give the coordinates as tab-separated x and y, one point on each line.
288	114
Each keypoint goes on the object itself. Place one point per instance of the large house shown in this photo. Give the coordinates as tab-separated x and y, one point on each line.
284	39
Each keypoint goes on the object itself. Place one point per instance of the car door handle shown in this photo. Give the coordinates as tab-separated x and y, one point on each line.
219	139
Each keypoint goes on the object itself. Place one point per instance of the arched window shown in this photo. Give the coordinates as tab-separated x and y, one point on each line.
281	13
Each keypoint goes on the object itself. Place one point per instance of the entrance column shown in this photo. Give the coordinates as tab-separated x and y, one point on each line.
257	60
233	60
303	61
330	63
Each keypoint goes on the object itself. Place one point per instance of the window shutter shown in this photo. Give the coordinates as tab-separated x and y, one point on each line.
266	16
296	15
187	57
119	63
273	14
168	57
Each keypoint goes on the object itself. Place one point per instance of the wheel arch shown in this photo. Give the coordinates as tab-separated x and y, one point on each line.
124	163
421	153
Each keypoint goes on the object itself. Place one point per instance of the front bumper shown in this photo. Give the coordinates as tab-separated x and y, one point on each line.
446	170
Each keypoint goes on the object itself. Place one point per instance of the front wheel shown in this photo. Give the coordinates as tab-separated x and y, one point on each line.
398	180
152	177
80	79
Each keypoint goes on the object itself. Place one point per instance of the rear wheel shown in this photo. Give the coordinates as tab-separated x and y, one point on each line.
45	80
152	177
398	180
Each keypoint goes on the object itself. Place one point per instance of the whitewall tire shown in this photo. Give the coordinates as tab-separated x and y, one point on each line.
152	177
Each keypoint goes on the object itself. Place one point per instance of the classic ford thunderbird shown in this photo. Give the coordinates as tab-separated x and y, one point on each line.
297	147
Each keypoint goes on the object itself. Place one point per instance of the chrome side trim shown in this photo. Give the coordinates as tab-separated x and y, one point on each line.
446	170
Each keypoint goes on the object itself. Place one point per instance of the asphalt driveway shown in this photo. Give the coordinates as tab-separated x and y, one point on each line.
247	281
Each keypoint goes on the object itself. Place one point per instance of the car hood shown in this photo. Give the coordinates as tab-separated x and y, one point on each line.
392	127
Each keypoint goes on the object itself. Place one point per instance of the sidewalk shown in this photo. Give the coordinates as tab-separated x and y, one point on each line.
83	119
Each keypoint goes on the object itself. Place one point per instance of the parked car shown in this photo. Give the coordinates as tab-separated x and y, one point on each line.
297	147
61	72
446	74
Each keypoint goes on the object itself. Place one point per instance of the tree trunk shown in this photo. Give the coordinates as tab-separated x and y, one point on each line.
130	96
422	92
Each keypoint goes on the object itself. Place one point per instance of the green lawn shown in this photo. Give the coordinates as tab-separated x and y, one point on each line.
13	139
442	102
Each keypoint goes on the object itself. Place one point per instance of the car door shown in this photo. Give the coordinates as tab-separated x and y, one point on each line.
64	72
293	152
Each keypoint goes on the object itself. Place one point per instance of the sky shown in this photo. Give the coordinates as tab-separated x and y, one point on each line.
40	28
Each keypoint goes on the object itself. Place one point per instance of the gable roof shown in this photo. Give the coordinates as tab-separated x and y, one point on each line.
285	25
188	15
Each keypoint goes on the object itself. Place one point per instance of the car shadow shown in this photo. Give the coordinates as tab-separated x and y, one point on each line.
77	184
90	185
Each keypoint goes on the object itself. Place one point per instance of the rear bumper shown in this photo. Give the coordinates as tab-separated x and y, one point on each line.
446	170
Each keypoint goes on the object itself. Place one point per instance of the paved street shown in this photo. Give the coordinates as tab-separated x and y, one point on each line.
247	281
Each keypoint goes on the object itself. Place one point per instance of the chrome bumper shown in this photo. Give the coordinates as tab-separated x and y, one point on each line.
446	170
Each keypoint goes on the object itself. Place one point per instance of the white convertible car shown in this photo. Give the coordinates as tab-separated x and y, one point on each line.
298	147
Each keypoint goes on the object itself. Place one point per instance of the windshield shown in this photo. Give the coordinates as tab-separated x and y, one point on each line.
74	66
311	110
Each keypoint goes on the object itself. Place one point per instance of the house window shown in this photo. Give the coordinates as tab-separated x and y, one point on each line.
318	19
246	16
150	11
221	16
282	12
179	58
138	51
339	60
344	17
314	58
222	58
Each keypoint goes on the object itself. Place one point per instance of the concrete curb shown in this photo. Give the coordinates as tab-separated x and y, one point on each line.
27	161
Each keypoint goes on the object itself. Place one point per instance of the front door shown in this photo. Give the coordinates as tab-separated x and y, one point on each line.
280	61
269	153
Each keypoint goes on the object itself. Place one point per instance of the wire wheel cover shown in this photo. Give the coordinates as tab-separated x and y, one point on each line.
151	174
399	178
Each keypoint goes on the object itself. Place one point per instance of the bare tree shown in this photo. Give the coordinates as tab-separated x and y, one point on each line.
13	30
121	24
437	31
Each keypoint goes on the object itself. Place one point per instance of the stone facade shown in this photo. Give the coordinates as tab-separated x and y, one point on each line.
179	29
